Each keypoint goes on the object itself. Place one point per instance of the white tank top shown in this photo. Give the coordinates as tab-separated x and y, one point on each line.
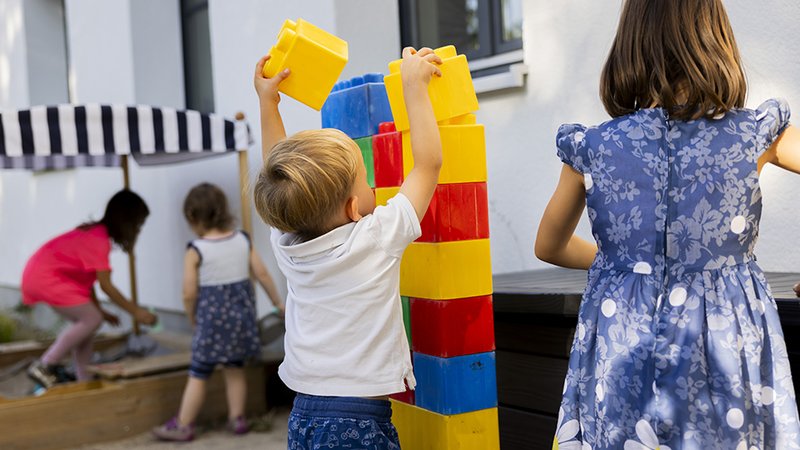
223	260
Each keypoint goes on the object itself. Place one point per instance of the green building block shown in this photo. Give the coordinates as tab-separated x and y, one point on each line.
407	318
365	144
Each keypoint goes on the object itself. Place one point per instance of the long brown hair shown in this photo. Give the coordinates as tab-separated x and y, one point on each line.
124	216
677	54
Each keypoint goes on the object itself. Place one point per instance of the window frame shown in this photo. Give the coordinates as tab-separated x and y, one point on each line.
490	38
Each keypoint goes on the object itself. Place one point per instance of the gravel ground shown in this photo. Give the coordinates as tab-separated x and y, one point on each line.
216	439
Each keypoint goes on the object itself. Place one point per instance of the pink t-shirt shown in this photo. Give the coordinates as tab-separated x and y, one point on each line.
62	271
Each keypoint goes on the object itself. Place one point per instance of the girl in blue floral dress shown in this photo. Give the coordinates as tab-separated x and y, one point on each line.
678	343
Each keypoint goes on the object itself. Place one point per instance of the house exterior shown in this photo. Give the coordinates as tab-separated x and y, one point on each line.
200	54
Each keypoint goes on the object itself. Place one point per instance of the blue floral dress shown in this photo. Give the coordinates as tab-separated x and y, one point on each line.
678	343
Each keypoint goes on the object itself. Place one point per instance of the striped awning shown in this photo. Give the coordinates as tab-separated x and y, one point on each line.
67	136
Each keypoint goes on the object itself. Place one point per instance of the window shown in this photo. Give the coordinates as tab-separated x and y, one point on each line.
198	81
489	31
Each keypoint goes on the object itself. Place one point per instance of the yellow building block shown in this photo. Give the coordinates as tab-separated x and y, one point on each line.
315	57
451	95
463	152
446	270
382	195
420	429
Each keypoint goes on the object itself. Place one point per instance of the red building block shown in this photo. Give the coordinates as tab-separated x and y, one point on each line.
447	328
387	152
457	212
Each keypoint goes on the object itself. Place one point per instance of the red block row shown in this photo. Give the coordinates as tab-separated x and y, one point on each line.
387	154
448	328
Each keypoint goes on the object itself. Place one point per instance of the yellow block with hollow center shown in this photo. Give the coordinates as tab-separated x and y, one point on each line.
463	152
452	94
315	57
446	270
420	429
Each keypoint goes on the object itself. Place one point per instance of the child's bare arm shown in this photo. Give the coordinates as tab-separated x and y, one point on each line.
272	130
784	152
140	314
261	274
190	262
416	71
555	241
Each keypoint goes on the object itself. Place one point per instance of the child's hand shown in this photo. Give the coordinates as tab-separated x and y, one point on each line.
418	67
267	88
145	317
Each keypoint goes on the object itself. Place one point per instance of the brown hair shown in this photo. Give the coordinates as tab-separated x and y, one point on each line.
206	207
124	216
305	181
677	54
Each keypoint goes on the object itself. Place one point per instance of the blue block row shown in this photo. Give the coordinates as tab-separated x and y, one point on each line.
455	385
357	106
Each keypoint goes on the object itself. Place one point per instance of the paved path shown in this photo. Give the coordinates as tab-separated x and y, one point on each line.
217	439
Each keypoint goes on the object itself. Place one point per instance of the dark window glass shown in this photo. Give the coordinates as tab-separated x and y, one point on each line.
478	28
197	56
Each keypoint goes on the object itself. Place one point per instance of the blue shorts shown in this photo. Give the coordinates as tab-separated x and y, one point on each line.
203	370
341	423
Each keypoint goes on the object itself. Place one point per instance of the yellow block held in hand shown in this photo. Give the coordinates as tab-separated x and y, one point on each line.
452	94
420	429
315	57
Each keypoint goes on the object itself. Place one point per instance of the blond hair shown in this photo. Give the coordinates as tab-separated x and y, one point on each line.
677	54
306	180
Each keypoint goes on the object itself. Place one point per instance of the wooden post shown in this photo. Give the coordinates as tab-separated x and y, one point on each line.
131	256
244	187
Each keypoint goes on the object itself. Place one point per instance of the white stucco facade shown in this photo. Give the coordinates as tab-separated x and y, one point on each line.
130	51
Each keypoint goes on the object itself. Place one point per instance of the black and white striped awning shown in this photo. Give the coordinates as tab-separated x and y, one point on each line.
67	136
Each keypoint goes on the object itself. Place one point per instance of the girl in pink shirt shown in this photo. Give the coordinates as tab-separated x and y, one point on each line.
62	274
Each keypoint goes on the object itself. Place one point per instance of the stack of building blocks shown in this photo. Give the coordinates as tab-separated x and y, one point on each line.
358	107
315	57
446	274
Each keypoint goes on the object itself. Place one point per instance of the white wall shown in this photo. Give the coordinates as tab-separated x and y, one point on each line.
134	55
565	47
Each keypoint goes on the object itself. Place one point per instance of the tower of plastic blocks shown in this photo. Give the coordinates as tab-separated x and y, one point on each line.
446	276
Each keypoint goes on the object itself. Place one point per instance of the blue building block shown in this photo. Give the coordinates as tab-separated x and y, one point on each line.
455	385
357	106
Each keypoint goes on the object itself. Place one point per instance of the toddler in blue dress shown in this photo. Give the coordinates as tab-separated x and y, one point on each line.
220	303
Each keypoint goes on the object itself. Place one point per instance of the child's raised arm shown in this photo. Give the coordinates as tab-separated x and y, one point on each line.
556	242
261	274
416	71
272	130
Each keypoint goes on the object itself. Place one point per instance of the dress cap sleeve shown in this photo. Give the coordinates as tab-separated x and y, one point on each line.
571	145
772	117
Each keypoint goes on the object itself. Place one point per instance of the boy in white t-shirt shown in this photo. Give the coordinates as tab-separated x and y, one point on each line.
346	348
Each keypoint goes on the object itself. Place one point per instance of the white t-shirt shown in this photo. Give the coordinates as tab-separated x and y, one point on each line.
344	319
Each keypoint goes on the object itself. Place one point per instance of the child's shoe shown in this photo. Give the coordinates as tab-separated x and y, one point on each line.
173	431
238	425
40	373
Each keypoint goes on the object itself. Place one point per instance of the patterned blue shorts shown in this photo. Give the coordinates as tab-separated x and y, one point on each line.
341	423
